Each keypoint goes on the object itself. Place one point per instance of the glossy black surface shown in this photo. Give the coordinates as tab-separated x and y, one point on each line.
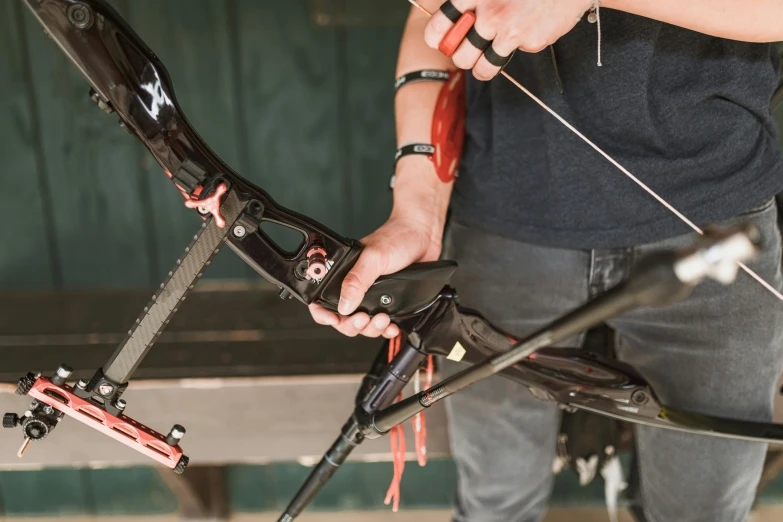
591	382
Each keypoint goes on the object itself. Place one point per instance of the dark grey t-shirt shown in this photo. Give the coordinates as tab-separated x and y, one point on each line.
686	113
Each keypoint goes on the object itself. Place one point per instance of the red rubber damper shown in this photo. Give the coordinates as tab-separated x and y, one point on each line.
457	33
124	429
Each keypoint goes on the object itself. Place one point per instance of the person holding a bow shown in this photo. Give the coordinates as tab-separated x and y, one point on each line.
677	93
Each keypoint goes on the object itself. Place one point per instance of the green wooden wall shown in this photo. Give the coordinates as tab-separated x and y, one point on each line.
296	96
266	488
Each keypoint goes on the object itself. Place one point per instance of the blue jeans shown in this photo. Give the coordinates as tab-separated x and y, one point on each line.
719	352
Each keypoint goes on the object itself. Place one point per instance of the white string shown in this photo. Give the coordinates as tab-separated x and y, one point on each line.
622	169
597	5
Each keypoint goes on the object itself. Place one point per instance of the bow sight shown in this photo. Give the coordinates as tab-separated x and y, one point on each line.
127	79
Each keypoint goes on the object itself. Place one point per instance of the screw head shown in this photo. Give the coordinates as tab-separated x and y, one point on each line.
82	384
105	389
48	410
80	16
239	231
203	210
386	300
639	397
120	404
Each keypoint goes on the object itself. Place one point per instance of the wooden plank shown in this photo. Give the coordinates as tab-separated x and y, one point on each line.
94	176
356	486
57	492
217	333
26	254
288	85
201	492
227	420
371	57
192	39
125	491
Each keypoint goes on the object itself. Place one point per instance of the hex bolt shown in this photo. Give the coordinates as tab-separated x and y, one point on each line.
82	384
48	410
239	231
175	435
386	300
63	372
639	397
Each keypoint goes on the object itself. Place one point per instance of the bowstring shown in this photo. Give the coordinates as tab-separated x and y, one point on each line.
622	169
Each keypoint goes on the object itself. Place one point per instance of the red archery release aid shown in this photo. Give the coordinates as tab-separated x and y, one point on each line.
457	33
448	127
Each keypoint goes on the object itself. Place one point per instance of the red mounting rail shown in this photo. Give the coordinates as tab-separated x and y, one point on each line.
126	430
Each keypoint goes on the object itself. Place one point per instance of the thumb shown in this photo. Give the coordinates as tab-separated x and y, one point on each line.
356	283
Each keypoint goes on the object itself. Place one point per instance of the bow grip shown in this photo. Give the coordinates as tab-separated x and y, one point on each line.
402	293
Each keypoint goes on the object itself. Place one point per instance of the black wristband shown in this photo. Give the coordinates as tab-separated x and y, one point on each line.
426	75
451	12
423	149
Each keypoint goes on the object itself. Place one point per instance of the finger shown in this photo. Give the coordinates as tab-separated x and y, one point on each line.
359	279
494	58
391	331
440	24
323	316
376	326
477	40
351	326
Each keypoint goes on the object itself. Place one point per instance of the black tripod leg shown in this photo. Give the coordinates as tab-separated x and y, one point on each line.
349	438
378	390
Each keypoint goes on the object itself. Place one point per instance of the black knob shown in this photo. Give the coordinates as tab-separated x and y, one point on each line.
36	428
25	384
181	465
10	420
